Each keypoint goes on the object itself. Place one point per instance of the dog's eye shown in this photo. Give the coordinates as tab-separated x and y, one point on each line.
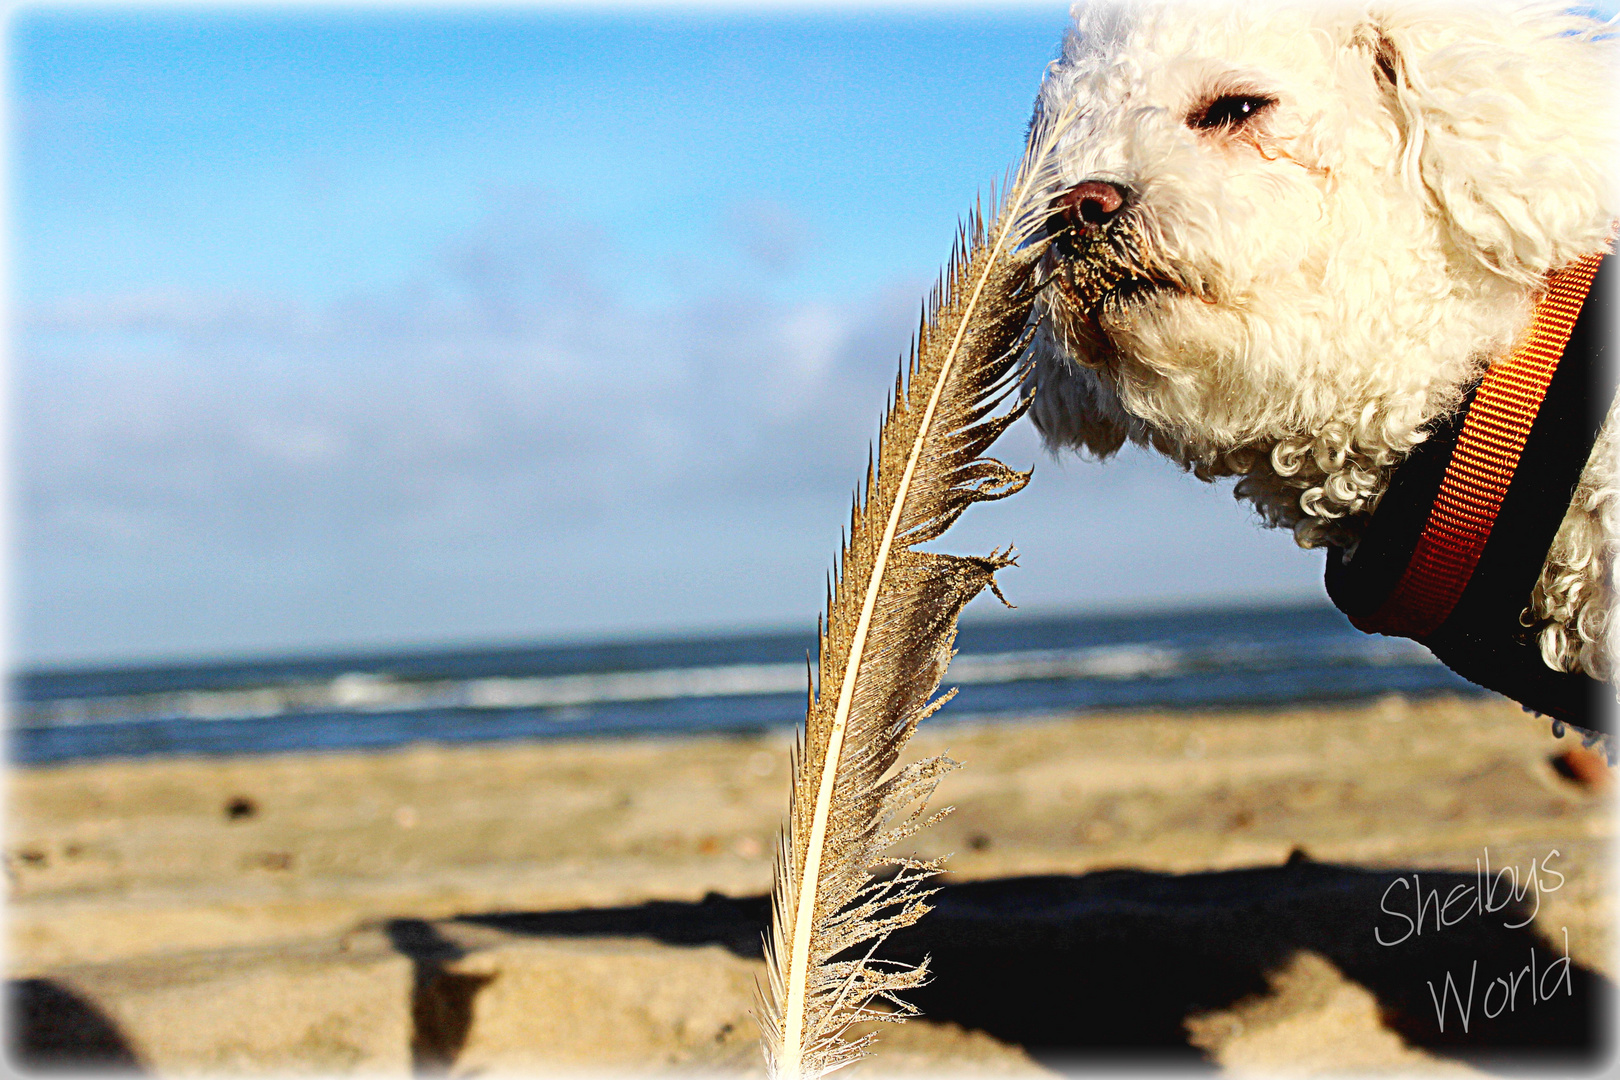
1229	111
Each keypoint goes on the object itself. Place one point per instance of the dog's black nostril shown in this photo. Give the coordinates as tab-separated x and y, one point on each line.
1092	203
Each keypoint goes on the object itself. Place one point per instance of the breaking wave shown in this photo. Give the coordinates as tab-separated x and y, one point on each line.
362	692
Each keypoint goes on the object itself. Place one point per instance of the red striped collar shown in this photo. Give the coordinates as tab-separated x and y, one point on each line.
1482	464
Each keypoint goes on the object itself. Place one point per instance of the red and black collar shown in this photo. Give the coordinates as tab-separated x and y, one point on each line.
1458	540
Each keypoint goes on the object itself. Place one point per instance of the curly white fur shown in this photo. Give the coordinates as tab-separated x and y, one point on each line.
1573	600
1329	276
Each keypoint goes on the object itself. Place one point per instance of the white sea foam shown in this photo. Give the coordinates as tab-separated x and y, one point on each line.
362	692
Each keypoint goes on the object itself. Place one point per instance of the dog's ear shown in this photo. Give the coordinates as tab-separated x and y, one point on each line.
1506	124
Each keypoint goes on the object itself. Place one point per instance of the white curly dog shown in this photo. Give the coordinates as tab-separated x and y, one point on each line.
1299	234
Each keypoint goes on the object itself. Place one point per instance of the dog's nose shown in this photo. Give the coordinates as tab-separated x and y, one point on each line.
1091	204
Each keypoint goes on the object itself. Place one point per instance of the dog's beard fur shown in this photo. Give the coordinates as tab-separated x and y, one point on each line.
1100	273
1293	306
1148	354
1243	382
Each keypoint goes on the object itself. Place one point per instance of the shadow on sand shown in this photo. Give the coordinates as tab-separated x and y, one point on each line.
1104	968
51	1028
1107	967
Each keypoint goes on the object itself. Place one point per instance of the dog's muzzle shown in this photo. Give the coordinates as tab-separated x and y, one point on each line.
1098	250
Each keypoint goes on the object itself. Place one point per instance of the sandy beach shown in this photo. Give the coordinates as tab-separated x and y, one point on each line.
1249	891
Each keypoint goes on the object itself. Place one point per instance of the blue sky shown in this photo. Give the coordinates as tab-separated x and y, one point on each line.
317	152
397	327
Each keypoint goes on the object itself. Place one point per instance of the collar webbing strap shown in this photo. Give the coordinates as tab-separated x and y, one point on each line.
1482	465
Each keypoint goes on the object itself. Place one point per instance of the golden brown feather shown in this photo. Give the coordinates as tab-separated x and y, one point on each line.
886	642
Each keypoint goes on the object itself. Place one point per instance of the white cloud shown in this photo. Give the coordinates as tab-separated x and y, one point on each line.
522	358
517	442
769	233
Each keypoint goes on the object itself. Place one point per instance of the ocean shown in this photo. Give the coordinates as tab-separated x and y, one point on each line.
1025	666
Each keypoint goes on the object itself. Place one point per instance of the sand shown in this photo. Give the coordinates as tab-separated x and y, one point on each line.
1200	890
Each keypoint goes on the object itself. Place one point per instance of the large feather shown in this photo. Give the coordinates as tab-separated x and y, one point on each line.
886	642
